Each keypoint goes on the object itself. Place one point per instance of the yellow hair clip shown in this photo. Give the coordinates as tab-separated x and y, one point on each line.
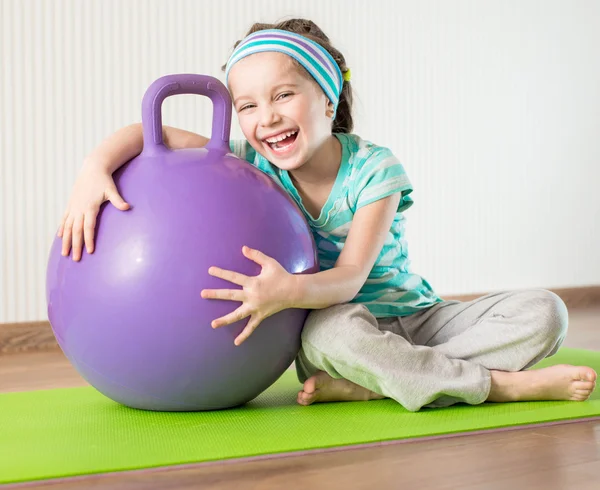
347	75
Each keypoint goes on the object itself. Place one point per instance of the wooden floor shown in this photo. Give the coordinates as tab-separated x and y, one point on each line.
559	457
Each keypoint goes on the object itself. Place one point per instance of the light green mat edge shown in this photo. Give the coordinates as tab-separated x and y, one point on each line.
77	431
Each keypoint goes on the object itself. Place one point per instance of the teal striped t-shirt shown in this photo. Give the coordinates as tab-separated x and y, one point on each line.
367	173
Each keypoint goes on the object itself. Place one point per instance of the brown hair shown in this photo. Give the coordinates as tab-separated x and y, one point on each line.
343	119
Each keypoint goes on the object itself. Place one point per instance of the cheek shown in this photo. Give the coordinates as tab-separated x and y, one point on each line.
317	112
320	123
247	127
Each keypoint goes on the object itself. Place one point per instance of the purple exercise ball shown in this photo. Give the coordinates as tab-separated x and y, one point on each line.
130	317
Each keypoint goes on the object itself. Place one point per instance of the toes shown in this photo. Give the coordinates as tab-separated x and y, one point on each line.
310	385
300	398
581	390
583	385
580	397
587	374
305	398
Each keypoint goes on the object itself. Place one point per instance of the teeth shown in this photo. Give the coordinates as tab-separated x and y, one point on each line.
281	137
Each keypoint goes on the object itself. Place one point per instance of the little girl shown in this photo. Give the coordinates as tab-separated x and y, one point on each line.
376	329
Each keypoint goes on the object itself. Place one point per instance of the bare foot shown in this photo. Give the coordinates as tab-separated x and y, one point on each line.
561	382
323	388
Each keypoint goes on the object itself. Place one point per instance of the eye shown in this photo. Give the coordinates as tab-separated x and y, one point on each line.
284	95
247	106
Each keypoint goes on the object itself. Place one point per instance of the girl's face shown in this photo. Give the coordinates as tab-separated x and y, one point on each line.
282	111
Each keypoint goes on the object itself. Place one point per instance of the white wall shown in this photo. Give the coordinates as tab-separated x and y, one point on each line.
493	107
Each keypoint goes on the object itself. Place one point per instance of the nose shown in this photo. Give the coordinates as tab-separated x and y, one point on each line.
268	115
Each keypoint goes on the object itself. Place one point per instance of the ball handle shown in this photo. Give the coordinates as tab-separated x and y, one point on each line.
169	85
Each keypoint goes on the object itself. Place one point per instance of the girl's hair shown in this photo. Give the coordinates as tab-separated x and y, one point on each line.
343	119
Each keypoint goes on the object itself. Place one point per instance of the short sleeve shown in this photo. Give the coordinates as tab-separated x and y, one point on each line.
381	175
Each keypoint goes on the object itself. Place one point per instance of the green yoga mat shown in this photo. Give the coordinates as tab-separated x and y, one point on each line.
77	431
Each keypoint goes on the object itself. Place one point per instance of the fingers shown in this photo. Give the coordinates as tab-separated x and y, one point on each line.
77	230
66	236
256	255
115	199
226	294
61	227
77	238
233	277
89	228
234	316
252	325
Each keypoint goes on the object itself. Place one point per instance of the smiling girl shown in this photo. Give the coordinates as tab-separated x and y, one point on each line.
376	329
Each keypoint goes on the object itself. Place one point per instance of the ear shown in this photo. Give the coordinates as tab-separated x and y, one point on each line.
329	110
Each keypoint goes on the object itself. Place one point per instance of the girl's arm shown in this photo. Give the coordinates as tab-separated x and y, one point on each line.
128	142
274	289
369	229
95	184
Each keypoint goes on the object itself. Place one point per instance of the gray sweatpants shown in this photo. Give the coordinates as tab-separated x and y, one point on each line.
439	356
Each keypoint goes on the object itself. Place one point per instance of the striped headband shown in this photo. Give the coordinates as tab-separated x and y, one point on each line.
311	55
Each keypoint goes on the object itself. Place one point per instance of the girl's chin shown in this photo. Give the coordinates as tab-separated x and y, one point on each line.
288	161
290	166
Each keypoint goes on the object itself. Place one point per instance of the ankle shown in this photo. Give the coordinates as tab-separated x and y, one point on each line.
504	388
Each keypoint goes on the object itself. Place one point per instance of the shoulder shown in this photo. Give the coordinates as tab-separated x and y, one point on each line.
369	162
362	151
374	172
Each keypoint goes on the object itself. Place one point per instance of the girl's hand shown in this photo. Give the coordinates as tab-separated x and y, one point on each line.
93	187
261	296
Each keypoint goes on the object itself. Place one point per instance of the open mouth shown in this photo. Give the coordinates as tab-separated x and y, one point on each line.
282	143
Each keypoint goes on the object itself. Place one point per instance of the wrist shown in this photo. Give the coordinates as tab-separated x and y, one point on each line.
295	291
94	164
